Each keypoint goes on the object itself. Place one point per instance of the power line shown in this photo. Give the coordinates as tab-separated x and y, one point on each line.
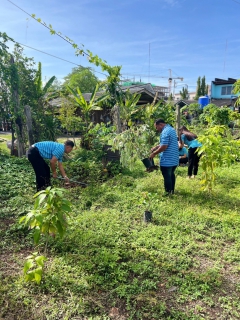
144	75
59	58
44	24
64	38
47	53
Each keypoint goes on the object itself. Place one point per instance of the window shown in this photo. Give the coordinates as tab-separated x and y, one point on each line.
227	90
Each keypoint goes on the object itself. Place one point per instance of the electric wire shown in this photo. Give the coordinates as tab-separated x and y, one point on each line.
43	23
59	35
59	58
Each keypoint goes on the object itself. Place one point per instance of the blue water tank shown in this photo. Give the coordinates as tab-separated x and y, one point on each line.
203	101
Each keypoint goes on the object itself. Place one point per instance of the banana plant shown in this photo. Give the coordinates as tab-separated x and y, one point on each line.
128	107
86	109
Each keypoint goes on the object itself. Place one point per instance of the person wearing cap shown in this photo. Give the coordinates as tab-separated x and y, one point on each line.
169	154
52	151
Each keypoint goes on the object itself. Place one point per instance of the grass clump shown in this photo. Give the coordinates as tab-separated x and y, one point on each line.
112	265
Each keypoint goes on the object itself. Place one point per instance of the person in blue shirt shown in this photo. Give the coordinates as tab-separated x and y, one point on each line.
48	150
189	139
169	154
183	155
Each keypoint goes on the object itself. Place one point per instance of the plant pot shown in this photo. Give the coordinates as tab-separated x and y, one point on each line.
148	163
110	155
147	217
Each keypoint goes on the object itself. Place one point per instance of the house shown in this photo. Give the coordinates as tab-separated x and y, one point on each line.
221	92
163	92
147	93
191	96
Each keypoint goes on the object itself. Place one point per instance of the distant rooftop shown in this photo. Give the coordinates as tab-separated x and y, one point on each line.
219	81
133	83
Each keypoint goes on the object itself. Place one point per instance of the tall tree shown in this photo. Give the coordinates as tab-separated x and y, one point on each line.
184	93
20	86
202	88
82	78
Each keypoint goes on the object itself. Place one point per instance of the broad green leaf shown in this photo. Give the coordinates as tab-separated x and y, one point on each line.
60	229
36	236
40	260
28	265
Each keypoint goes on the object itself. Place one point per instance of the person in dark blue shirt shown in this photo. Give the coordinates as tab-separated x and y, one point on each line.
169	154
48	150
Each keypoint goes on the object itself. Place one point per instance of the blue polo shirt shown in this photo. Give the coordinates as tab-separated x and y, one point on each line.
191	144
48	149
170	156
183	151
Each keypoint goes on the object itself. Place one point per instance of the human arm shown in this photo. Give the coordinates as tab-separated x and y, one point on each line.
61	169
53	163
155	148
158	150
183	156
181	140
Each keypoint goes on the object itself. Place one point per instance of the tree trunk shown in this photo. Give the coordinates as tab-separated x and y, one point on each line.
14	83
13	139
178	118
27	111
116	118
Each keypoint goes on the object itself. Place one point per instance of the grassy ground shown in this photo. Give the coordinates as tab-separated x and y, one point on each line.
4	137
111	264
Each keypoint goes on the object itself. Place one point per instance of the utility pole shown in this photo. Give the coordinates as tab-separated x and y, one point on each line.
149	62
178	118
170	81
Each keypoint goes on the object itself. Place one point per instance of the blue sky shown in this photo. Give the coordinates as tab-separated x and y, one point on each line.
147	38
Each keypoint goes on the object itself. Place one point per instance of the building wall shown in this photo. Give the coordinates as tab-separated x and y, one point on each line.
191	96
216	91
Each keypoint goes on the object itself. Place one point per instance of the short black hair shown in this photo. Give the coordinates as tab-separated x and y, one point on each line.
69	143
159	121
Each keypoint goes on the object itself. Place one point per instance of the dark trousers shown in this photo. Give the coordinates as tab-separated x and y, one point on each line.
183	160
193	160
169	178
42	170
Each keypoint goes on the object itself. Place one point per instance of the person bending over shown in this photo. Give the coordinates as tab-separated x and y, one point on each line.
189	138
48	150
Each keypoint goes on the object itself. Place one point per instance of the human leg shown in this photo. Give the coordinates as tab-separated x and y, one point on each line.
173	178
169	178
195	163
190	160
183	160
41	169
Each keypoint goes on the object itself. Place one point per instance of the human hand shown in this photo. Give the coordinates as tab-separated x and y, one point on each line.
66	179
54	175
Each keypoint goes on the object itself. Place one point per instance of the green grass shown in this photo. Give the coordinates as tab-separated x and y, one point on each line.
3	142
182	265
